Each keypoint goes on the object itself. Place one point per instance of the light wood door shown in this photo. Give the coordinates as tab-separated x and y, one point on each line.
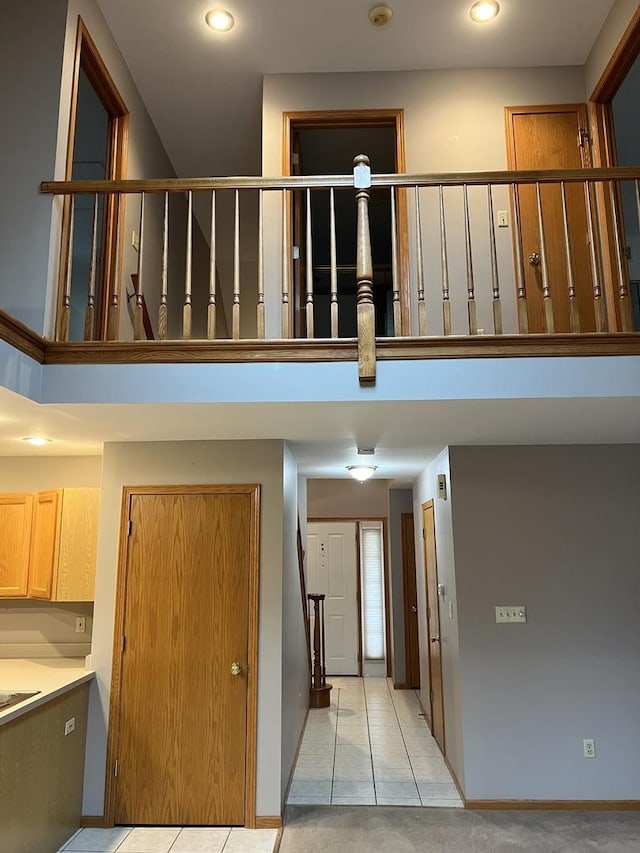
433	624
45	538
553	138
182	739
76	568
333	570
15	537
412	651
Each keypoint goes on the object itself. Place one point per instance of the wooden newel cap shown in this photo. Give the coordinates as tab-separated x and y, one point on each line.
316	596
361	159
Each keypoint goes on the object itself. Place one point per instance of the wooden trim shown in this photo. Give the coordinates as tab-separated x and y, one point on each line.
268	822
430	504
620	62
401	685
22	337
93	821
455	779
555	805
253	489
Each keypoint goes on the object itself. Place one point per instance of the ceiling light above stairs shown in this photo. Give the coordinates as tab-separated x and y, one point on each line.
484	10
219	20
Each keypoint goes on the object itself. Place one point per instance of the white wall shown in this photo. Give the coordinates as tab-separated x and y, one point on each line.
194	462
295	668
608	39
554	529
424	490
399	501
454	121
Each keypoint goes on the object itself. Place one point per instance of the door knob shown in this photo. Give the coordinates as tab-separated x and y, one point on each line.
414	609
236	669
534	259
435	639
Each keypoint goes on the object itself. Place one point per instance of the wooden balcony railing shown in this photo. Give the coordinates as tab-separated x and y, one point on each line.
316	267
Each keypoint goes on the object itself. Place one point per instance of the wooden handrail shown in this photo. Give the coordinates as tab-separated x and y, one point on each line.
327	181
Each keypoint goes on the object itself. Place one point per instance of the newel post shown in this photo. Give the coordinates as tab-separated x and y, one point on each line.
364	274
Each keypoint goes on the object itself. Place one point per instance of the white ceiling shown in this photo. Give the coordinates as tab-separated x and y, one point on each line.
203	89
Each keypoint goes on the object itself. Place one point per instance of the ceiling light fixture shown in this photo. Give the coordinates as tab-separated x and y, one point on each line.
361	472
219	20
380	16
37	441
484	10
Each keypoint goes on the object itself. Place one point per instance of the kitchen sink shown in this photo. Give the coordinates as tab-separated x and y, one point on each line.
12	697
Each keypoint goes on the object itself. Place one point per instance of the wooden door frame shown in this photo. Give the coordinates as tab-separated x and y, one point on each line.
605	155
253	491
88	58
430	504
406	685
387	621
352	119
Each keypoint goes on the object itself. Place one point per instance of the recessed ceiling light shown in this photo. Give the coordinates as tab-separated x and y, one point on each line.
361	472
380	16
37	441
219	20
484	10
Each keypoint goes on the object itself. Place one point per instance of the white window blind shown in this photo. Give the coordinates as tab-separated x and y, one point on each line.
372	580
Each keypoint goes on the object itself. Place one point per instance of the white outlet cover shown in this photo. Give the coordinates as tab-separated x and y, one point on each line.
70	726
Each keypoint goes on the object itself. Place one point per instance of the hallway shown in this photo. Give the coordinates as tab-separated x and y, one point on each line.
371	747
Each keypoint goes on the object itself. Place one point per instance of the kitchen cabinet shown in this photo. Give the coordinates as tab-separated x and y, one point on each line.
62	556
15	536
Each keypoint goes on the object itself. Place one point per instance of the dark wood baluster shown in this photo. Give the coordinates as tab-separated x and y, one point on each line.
626	311
422	305
495	279
471	296
114	297
319	695
395	267
89	317
211	302
598	298
334	264
574	315
138	323
523	316
65	316
364	275
444	266
544	268
260	306
235	316
309	270
186	308
164	273
286	325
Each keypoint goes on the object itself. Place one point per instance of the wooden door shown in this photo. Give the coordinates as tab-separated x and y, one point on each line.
333	570
45	540
433	624
543	138
15	535
184	714
411	647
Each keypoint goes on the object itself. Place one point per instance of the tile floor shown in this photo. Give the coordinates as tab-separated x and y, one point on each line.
171	839
371	747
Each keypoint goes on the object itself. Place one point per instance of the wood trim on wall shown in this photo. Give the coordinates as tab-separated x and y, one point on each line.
620	63
393	118
22	337
128	492
268	822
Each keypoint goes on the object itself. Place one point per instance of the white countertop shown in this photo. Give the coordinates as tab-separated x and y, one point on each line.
51	676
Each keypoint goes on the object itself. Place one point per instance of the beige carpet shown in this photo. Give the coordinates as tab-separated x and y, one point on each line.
362	829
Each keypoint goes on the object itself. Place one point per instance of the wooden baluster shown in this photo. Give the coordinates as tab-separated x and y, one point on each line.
235	317
211	303
626	313
364	275
422	305
334	264
395	268
65	316
164	273
523	316
598	300
471	297
260	307
186	308
544	268
89	317
309	270
114	297
574	314
495	279
444	265
319	695
138	323
286	326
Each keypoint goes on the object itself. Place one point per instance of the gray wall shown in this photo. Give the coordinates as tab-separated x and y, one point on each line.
400	501
608	39
31	42
295	669
346	499
555	529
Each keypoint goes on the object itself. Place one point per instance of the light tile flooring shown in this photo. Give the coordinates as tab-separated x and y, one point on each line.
172	839
371	747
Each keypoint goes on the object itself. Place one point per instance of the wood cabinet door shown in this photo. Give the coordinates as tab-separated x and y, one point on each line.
78	541
15	534
44	544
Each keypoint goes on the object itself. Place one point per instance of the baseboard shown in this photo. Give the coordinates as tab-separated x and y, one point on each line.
295	761
268	822
555	805
92	821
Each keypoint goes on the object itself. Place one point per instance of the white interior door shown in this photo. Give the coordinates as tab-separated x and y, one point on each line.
333	570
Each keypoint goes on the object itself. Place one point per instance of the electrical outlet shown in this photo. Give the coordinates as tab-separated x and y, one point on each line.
513	613
589	746
70	726
81	625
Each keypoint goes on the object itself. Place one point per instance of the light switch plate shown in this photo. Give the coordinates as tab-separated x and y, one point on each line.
70	726
511	613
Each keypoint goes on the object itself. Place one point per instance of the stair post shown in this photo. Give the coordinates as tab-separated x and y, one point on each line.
364	274
320	690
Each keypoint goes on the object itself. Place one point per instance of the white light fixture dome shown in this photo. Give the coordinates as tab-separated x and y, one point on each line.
484	10
219	20
37	441
361	472
380	15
